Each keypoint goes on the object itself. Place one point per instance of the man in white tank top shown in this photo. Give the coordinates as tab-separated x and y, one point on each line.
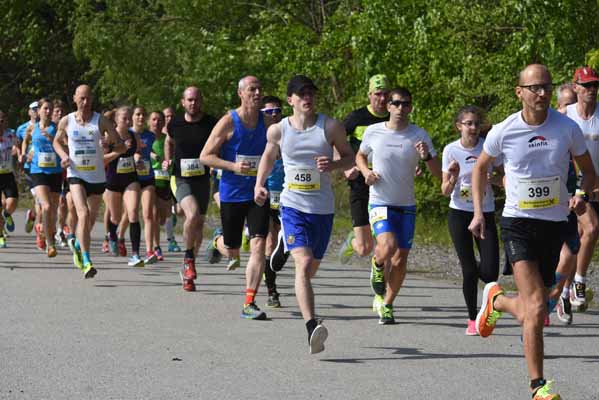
81	145
586	114
305	141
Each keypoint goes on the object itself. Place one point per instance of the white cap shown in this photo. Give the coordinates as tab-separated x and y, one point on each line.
33	105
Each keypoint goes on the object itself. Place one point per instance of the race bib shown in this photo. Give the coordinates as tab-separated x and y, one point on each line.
191	167
377	214
145	170
275	199
46	159
466	192
538	193
84	160
125	165
161	175
254	161
303	179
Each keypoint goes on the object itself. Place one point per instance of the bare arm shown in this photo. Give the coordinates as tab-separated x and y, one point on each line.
210	154
25	143
479	183
338	139
112	138
169	151
273	137
61	141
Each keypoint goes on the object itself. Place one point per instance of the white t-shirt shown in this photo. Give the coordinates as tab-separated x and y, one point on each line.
536	164
395	159
461	196
7	141
590	131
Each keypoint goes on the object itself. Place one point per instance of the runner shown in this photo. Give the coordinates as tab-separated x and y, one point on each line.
306	141
360	240
458	159
187	135
586	114
46	172
235	146
80	146
162	206
8	184
123	188
58	111
31	214
535	144
395	147
175	211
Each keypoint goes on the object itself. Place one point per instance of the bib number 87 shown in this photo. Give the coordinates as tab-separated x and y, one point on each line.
307	177
538	192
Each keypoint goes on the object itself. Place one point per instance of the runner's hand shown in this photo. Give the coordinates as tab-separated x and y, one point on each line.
578	205
129	143
454	168
65	163
371	178
422	149
352	173
323	163
477	226
242	167
166	164
260	195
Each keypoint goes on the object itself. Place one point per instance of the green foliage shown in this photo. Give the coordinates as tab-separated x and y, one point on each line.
447	53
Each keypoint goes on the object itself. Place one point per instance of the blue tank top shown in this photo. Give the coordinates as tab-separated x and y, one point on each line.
147	140
45	160
245	145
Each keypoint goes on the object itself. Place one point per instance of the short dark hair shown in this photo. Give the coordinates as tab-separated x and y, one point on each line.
271	99
400	91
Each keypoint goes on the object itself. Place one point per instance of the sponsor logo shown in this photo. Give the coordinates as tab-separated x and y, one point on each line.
537	142
290	239
471	159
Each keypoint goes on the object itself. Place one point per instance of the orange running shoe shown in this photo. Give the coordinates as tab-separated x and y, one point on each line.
51	251
488	316
543	393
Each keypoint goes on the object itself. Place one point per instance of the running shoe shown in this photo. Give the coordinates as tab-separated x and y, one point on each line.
105	245
213	256
40	240
135	261
251	311
78	259
189	269
2	242
279	256
71	243
387	315
488	316
151	258
89	271
317	338
61	239
273	300
471	328
564	310
66	230
544	393
122	248
578	293
189	285
29	220
173	247
588	294
377	278
233	264
9	223
347	251
245	240
158	252
113	248
51	251
377	305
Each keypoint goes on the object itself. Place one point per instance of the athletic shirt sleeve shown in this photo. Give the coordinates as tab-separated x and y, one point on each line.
578	143
446	159
365	146
492	144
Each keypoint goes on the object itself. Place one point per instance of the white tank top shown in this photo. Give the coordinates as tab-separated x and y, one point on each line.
85	150
305	188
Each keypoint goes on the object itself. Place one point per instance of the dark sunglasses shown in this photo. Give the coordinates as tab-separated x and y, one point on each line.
588	85
271	111
398	103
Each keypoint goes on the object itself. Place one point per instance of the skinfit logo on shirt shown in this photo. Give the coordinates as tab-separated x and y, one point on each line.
471	159
536	142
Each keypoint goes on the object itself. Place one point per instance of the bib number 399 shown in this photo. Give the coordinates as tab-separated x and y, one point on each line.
538	193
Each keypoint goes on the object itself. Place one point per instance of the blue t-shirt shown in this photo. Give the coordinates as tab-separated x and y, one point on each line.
147	140
247	145
45	160
21	134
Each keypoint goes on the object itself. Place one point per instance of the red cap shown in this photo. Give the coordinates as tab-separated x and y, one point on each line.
585	74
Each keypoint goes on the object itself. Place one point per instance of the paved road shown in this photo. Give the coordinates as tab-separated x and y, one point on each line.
134	334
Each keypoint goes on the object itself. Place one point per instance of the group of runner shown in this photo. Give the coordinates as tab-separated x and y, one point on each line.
271	177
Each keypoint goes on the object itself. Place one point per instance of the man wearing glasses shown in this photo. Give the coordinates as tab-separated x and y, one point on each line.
359	240
535	144
395	148
586	114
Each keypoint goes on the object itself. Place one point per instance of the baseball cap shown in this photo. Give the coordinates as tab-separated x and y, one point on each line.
297	83
585	75
33	105
378	82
